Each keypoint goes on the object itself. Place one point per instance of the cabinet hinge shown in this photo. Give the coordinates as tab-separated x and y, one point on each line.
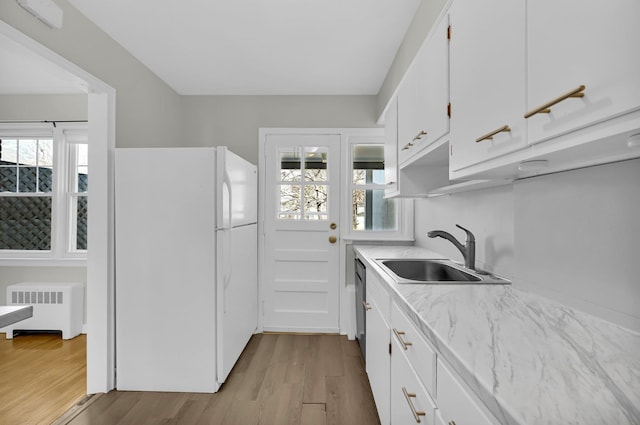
449	109
449	32
389	348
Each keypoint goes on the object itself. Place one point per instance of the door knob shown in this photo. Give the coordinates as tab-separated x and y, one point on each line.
332	239
333	226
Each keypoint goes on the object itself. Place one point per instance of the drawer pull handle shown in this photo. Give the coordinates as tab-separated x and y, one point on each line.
366	305
391	183
452	423
405	344
546	108
489	136
419	135
407	146
416	413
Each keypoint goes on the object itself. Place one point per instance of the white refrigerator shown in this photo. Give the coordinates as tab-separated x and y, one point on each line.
186	266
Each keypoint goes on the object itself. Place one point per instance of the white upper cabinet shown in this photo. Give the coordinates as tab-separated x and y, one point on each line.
487	80
423	97
573	43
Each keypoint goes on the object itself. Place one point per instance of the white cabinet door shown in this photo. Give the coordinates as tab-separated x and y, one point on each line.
410	401
572	43
378	359
423	97
455	404
487	80
391	150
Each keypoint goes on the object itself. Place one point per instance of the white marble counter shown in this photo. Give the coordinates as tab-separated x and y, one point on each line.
529	359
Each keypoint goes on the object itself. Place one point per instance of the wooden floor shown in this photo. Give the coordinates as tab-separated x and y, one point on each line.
279	380
41	377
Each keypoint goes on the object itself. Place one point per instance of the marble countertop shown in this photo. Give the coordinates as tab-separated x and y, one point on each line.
10	314
531	360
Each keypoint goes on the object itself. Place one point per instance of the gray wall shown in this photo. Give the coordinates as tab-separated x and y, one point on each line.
234	120
148	112
68	107
571	237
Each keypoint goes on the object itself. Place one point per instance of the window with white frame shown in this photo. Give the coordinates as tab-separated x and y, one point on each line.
368	215
43	191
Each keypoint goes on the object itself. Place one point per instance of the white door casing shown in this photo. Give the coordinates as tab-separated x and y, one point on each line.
300	261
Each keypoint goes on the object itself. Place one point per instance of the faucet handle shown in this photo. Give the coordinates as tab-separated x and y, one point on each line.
470	237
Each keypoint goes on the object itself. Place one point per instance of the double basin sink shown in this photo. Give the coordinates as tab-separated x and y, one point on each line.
428	271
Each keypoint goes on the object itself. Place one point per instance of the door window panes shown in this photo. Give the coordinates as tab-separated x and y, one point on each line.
304	185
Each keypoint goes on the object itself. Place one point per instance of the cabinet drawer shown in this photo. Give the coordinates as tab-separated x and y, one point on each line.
417	350
377	294
456	404
410	400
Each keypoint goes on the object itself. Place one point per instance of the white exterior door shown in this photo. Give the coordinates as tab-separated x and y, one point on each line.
301	249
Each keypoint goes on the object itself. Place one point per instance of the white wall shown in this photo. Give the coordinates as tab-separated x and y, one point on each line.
67	107
488	214
234	120
572	237
577	239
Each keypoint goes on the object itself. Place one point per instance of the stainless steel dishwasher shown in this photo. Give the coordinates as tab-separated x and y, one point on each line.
361	318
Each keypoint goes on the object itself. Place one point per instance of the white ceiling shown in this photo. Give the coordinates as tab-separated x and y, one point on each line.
23	72
240	47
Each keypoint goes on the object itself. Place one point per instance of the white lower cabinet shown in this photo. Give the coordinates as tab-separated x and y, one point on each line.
410	401
378	358
456	405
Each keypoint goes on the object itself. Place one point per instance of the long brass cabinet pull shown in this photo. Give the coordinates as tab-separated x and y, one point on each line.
489	136
452	423
546	108
366	305
419	135
407	146
405	344
416	413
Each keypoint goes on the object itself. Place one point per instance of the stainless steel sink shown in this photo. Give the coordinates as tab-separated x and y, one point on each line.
429	271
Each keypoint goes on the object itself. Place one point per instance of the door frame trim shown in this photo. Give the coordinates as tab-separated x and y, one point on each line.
346	293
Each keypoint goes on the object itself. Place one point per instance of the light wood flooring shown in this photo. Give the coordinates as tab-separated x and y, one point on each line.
279	380
41	377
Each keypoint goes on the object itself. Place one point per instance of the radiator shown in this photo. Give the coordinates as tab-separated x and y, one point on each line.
56	307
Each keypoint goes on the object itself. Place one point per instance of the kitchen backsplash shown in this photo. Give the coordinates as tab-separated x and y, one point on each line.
571	236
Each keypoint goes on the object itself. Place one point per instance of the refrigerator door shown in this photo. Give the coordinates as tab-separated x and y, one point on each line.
237	189
237	294
165	243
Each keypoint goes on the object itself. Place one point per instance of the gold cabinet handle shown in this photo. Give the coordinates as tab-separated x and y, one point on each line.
332	239
366	305
489	136
416	413
407	146
419	135
452	423
546	108
405	344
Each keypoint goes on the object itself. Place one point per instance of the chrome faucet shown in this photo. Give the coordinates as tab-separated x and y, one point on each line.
468	251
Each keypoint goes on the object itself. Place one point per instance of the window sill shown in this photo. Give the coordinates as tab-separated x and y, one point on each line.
43	262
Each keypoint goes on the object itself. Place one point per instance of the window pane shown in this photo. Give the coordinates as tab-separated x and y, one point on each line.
290	165
371	211
368	164
315	164
45	179
8	151
315	201
290	199
27	151
315	175
27	179
8	179
45	152
81	223
83	154
83	179
25	223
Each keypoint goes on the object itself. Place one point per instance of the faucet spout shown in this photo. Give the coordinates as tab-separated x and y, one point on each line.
468	250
